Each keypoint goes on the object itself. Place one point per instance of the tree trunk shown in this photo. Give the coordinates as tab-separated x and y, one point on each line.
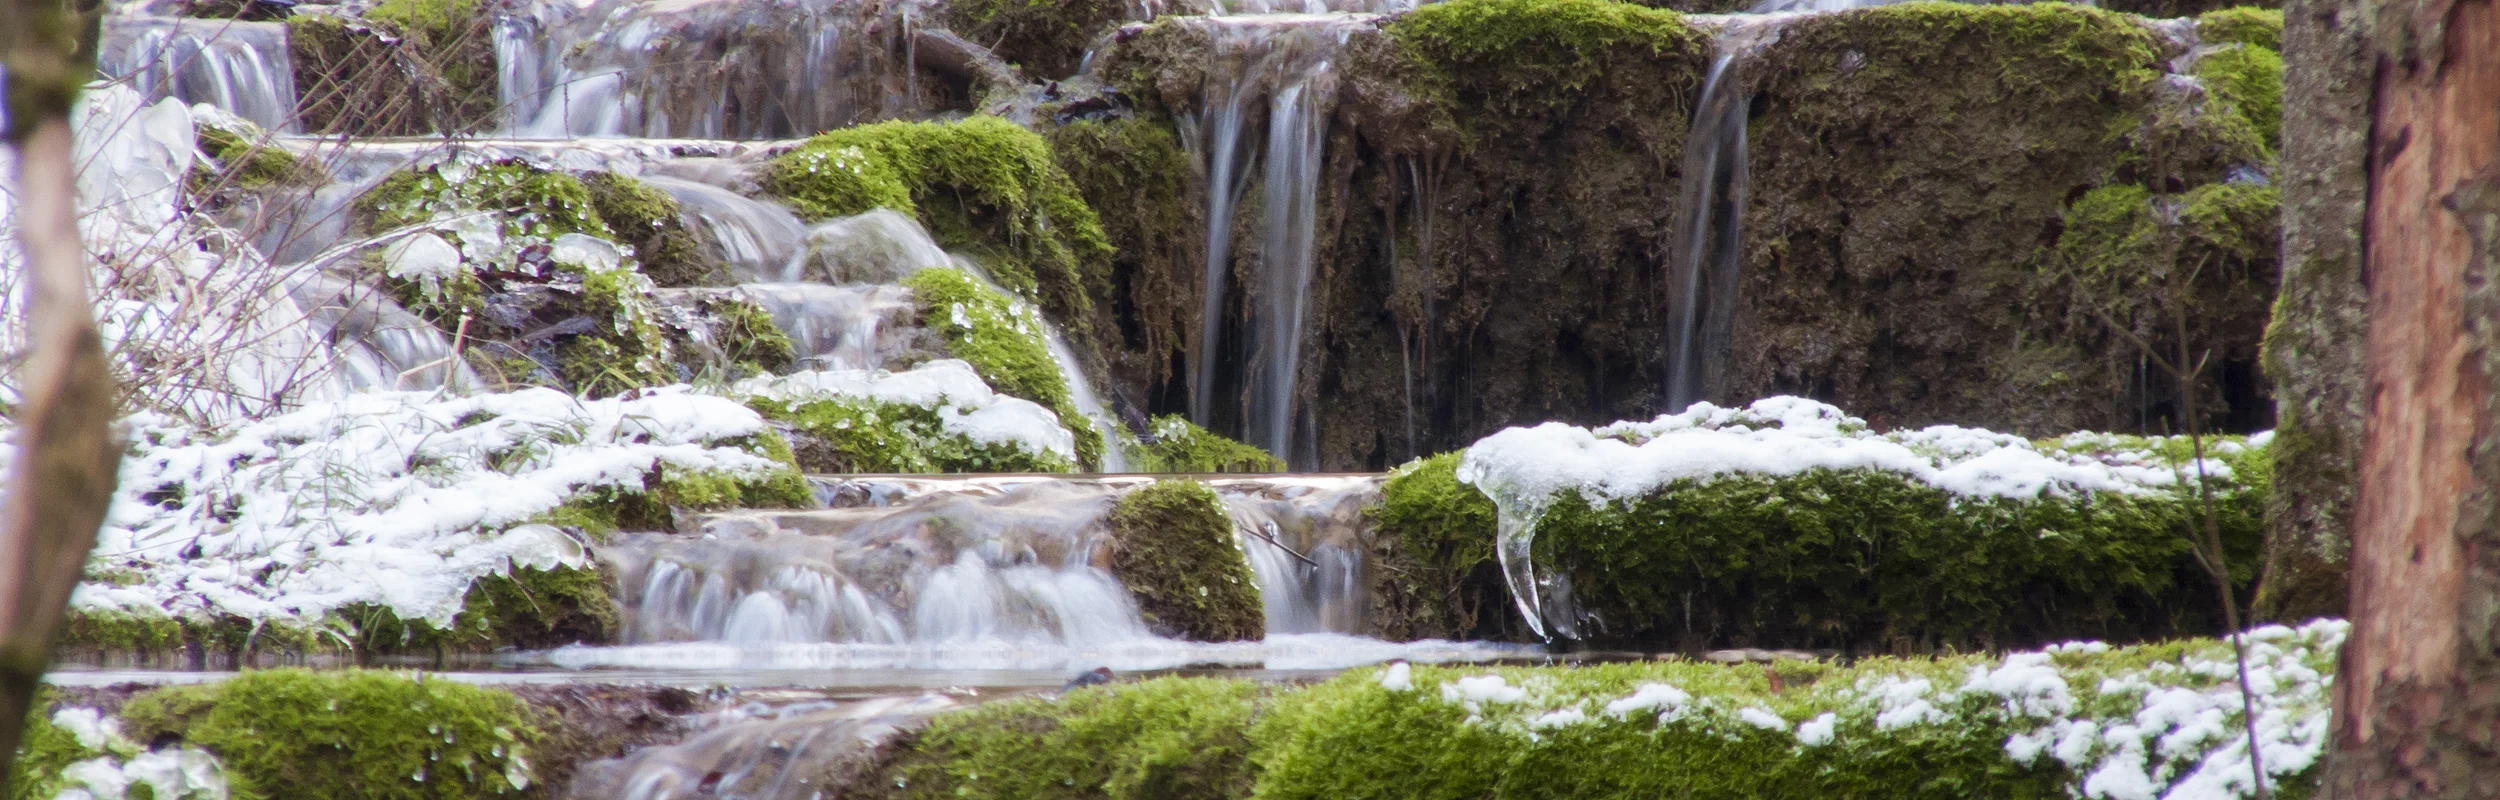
2313	345
61	479
2417	707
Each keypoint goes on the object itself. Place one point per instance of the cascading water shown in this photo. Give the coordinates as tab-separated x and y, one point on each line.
854	326
1708	247
1283	63
757	240
241	67
739	69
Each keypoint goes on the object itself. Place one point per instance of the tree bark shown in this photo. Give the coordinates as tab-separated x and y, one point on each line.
2417	711
61	480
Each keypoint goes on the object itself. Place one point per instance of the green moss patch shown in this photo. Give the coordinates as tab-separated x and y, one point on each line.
247	160
1047	38
1173	546
1440	578
1002	340
982	185
1523	57
529	608
2248	25
455	43
2247	80
838	435
295	733
1183	447
646	219
1134	173
1168	738
1957	726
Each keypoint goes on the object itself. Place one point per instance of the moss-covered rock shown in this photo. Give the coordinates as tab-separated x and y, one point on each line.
1877	728
44	750
1176	738
528	608
1048	38
984	186
2249	25
246	159
647	219
538	311
1857	560
296	733
839	435
1439	579
1003	341
1173	545
1133	172
2247	80
1182	447
455	41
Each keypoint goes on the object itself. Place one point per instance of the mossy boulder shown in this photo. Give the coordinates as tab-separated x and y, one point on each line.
244	158
1175	738
1951	726
528	608
535	315
647	220
1439	579
455	41
1048	38
1134	173
1173	545
1182	447
297	733
983	186
1003	341
371	77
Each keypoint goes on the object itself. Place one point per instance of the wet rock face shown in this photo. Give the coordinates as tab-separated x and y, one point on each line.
1921	240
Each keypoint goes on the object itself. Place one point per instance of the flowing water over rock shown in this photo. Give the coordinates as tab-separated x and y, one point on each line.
241	67
1271	78
729	69
1708	247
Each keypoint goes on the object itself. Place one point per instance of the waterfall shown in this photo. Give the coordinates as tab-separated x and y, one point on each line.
737	69
853	326
1283	63
241	67
1708	248
756	239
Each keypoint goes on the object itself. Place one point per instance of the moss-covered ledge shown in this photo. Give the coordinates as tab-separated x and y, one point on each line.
1173	546
982	186
1180	446
1004	341
2015	725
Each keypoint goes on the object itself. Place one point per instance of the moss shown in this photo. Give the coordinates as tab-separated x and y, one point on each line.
248	162
627	349
748	336
1181	446
1441	578
528	608
1525	57
647	219
1135	174
1350	736
44	750
1870	561
2248	25
539	203
154	639
847	435
455	42
1173	546
2247	80
1048	38
354	733
982	184
1002	340
1175	738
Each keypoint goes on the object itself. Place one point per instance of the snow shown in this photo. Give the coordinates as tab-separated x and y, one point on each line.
1398	677
170	773
2165	730
395	498
965	405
